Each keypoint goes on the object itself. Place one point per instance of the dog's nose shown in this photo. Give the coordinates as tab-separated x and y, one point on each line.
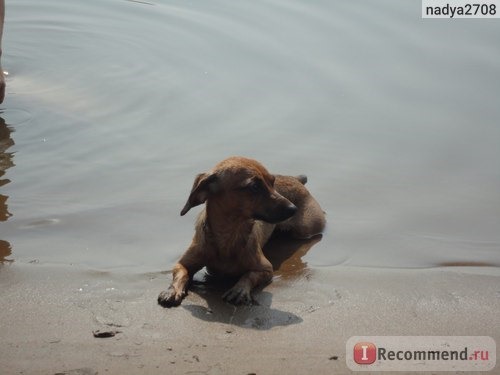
281	212
290	210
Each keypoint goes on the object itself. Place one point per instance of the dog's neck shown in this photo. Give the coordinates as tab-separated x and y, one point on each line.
230	231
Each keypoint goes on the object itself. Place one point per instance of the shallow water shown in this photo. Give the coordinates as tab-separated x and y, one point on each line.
113	106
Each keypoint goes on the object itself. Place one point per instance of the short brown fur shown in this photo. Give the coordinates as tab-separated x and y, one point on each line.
244	205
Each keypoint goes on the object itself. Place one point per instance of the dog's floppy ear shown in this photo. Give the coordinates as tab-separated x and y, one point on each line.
204	183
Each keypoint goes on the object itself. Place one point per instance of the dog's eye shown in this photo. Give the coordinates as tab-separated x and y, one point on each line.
253	187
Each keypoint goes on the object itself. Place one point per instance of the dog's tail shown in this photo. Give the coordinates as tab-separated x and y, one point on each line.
302	178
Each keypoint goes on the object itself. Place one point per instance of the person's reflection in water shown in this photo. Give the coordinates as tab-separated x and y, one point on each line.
5	163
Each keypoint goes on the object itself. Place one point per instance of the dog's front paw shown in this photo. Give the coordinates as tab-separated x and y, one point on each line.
238	296
170	298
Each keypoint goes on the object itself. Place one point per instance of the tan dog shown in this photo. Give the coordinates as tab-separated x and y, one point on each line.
244	205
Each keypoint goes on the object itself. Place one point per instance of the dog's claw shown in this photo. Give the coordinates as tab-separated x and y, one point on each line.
169	298
238	296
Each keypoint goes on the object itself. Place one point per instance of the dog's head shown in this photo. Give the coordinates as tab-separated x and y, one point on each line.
243	186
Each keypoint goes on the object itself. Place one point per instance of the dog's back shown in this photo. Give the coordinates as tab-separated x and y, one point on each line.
309	219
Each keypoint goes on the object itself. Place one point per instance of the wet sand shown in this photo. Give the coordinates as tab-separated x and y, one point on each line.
49	314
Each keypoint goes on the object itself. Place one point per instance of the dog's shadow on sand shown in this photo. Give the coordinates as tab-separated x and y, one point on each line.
286	256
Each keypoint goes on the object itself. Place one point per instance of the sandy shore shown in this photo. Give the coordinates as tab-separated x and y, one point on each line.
48	315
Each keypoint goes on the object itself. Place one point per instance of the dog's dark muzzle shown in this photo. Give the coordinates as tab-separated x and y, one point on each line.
278	214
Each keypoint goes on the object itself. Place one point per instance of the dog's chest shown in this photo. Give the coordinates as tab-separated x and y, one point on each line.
233	253
227	260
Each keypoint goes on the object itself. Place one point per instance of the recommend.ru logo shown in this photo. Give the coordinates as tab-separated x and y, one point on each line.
421	353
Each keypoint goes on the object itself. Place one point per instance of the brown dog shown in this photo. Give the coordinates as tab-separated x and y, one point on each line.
244	205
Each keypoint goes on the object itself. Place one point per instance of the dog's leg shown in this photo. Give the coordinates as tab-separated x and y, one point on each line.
178	289
182	274
240	293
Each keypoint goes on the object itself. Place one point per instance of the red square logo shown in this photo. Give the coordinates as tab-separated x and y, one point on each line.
365	353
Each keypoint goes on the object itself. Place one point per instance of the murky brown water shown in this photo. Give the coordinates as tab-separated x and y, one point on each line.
113	106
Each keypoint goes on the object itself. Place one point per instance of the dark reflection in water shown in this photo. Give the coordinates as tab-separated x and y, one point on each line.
286	254
5	163
467	264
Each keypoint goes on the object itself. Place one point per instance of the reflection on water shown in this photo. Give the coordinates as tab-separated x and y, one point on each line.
5	251
467	264
6	161
286	255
